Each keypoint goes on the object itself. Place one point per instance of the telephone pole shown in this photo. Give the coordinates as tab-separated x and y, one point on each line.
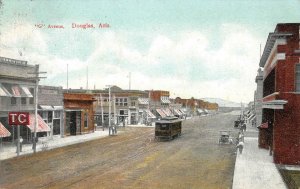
37	78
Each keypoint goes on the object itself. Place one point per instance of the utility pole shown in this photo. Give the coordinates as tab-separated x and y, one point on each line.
37	78
67	77
101	112
129	77
114	101
109	111
148	108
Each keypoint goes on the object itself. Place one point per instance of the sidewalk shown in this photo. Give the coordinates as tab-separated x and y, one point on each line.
254	168
9	150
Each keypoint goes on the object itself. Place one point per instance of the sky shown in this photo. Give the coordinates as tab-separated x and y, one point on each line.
192	48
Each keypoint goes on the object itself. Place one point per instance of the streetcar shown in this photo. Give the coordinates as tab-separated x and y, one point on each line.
168	128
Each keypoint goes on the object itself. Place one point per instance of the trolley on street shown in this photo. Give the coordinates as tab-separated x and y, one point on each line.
168	128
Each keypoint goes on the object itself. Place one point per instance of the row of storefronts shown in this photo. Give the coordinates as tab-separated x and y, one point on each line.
76	111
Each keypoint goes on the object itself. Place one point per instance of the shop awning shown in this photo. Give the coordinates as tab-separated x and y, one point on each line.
161	113
3	91
169	112
3	131
150	114
263	125
42	126
26	91
165	101
274	104
46	107
176	111
143	101
16	90
182	111
252	118
58	107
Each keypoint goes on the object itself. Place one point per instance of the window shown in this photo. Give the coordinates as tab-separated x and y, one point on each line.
13	100
31	100
298	77
44	115
133	103
57	114
23	101
86	120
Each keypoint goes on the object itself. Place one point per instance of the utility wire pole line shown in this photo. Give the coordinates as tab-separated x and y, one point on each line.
129	77
37	78
67	77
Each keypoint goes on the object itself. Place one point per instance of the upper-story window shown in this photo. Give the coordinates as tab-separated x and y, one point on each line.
132	103
297	77
31	100
13	100
121	101
23	101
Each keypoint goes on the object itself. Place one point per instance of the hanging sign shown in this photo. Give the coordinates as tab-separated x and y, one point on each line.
18	118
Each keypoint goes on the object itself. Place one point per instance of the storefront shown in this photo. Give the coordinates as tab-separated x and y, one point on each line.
79	113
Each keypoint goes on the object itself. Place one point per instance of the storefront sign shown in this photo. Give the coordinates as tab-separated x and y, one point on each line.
18	118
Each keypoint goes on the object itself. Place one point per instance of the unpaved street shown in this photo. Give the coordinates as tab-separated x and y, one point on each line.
132	160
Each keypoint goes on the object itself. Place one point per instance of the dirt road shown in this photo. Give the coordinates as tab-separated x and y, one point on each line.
132	160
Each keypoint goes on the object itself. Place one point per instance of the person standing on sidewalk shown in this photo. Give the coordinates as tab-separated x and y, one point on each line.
240	146
21	142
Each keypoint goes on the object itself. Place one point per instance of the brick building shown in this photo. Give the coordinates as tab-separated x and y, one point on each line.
281	94
79	113
160	103
197	106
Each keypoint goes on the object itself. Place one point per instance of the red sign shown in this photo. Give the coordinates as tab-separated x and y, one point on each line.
18	118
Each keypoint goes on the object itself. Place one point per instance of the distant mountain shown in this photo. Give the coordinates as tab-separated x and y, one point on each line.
223	103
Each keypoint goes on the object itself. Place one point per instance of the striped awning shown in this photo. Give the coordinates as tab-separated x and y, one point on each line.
3	131
42	126
143	101
177	112
165	101
15	90
161	113
168	112
26	91
3	91
150	114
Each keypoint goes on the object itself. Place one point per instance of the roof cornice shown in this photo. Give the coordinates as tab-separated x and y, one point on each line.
270	44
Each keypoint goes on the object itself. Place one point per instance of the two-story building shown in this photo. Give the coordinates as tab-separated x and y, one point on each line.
281	94
17	94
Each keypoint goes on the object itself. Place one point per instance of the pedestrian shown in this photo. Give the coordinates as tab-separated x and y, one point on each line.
21	142
241	137
240	146
243	128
